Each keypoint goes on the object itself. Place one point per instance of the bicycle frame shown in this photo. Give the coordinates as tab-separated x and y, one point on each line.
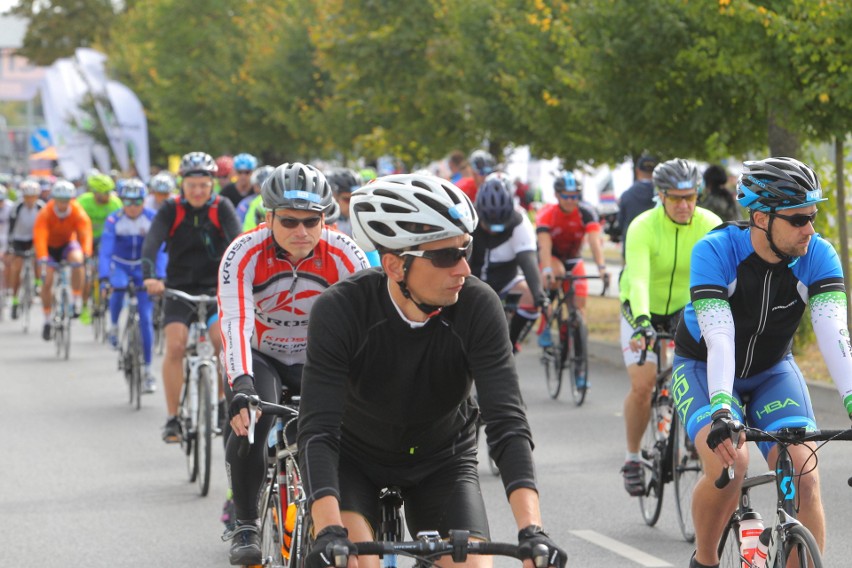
784	476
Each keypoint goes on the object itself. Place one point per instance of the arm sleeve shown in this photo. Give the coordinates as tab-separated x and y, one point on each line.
236	307
84	232
709	296
528	261
152	245
106	247
828	316
40	233
637	259
324	381
493	368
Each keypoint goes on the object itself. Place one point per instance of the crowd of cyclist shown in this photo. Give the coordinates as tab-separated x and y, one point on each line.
376	273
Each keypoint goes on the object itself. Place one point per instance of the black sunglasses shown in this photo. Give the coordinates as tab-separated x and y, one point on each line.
443	258
292	222
797	220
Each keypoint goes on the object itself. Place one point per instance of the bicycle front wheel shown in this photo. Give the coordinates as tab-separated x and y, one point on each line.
652	454
686	471
729	547
272	526
204	429
800	548
578	360
186	414
553	358
134	358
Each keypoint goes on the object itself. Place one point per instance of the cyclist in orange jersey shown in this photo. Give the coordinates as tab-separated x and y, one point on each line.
62	231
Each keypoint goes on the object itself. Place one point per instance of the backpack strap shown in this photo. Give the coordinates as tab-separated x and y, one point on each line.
213	213
180	214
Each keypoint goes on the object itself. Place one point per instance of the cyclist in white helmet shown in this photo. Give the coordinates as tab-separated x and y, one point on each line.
408	342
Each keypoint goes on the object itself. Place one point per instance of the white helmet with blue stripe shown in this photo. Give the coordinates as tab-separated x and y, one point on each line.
402	211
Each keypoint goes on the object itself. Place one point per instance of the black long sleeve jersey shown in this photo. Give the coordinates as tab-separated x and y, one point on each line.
378	390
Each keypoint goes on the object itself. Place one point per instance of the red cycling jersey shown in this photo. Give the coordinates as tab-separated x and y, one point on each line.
265	300
567	229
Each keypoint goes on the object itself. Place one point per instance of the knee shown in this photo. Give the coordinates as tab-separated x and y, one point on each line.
808	488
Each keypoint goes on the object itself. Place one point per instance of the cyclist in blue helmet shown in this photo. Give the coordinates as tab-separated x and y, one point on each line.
750	284
236	191
120	261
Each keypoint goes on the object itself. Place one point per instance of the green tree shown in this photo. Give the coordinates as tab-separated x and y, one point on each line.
58	27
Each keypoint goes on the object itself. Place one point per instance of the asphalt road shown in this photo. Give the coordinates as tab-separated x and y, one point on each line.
86	481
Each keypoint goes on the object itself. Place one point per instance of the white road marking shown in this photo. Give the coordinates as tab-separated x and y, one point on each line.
628	552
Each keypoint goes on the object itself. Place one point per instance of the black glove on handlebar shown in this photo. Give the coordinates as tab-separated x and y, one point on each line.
722	428
534	535
243	389
321	555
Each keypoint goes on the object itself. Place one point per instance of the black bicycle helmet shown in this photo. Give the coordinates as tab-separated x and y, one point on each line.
567	182
343	180
482	162
296	186
494	201
677	174
778	183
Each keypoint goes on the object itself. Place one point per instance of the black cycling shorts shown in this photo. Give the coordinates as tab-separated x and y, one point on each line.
20	248
439	495
176	310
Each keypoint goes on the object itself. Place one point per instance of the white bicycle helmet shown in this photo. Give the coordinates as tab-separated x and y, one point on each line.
402	211
30	187
63	189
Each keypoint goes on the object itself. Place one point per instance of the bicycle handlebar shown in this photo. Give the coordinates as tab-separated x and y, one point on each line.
785	437
658	336
458	546
180	295
255	403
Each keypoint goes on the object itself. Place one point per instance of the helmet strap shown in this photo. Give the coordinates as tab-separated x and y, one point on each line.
427	309
790	260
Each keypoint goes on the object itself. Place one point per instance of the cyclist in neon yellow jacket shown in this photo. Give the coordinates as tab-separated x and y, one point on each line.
99	202
655	288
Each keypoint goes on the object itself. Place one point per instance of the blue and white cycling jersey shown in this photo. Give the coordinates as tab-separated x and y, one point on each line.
747	310
121	243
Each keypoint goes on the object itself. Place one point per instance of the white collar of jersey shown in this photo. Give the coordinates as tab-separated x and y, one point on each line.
411	323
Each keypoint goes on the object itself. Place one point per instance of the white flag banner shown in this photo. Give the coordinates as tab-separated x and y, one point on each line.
61	93
90	64
100	153
134	125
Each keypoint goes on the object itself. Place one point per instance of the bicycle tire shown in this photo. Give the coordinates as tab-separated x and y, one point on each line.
66	324
579	364
204	429
553	359
799	539
686	471
653	462
187	439
26	299
134	347
729	546
272	524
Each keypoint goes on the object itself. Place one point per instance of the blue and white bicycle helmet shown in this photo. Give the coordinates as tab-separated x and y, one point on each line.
244	162
131	188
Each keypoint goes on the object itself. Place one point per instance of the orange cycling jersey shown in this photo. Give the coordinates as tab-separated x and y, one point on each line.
51	231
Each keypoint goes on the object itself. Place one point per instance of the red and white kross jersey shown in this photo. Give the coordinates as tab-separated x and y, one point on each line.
264	300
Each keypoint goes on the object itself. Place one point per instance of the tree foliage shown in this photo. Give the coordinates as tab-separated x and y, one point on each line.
58	27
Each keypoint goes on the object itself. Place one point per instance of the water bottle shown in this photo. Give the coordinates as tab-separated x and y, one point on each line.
544	339
751	527
664	414
759	560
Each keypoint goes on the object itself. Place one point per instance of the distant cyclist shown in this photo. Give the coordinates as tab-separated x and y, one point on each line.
561	228
654	289
481	165
197	228
121	261
750	284
343	182
269	280
162	187
62	232
244	165
504	252
252	204
21	226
